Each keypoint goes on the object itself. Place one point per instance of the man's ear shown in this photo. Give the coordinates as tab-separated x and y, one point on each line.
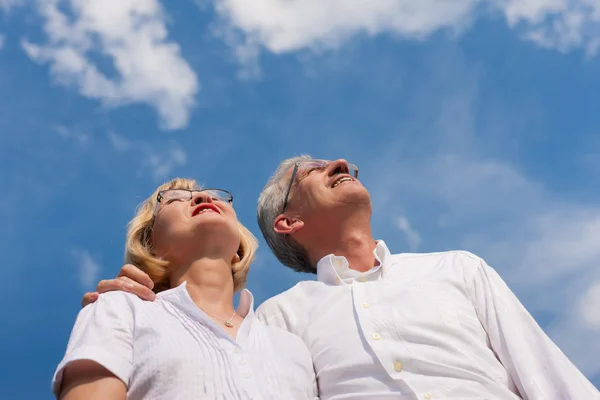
286	225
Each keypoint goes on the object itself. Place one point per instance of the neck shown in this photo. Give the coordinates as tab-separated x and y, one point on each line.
209	284
349	236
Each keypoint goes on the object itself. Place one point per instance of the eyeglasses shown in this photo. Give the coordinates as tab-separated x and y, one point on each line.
170	195
306	167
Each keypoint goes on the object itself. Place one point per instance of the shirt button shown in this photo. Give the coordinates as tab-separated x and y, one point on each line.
397	366
242	361
247	375
428	395
376	336
362	279
366	305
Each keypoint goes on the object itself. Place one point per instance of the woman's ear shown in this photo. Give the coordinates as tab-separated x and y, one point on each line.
236	259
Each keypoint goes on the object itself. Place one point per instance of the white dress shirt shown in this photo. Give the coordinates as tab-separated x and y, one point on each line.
422	326
170	349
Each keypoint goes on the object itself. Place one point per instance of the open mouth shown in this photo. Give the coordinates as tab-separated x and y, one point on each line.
341	179
205	208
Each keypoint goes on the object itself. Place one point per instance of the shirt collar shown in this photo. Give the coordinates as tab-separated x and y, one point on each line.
335	270
180	298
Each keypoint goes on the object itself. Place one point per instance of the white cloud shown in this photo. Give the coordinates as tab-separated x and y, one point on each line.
284	26
560	24
412	237
163	163
6	5
132	35
72	133
590	306
161	160
578	332
118	142
87	267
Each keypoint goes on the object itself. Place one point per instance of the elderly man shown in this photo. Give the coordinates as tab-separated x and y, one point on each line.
392	326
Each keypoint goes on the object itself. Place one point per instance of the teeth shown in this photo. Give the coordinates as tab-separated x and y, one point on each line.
205	210
344	179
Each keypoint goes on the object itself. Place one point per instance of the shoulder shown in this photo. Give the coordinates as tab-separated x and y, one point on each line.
116	303
271	306
118	297
298	292
286	309
442	259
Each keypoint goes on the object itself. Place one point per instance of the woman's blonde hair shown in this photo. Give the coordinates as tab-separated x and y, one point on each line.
138	244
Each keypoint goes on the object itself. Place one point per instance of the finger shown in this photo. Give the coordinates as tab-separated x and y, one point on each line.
125	284
136	274
89	298
141	291
109	285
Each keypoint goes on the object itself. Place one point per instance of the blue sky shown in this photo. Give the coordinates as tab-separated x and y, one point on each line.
473	123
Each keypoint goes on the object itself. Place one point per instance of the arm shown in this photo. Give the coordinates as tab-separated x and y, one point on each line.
536	365
99	359
130	279
87	380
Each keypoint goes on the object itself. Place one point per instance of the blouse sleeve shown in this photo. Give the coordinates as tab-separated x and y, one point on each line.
103	333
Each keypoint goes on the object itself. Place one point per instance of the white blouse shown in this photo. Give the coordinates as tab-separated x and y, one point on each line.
170	349
423	326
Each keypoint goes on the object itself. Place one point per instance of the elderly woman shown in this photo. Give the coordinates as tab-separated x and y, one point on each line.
190	343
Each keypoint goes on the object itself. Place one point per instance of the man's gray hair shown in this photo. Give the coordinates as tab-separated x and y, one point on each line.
270	204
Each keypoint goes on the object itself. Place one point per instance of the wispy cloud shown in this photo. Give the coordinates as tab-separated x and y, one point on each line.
2	41
87	267
577	332
412	237
6	5
70	133
590	304
132	34
118	142
559	24
161	161
284	26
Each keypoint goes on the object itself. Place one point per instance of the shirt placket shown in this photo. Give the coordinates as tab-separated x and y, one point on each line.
378	327
242	363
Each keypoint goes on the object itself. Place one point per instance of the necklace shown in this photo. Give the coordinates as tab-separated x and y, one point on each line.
228	323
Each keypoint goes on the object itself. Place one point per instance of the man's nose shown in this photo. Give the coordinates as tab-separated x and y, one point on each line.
339	166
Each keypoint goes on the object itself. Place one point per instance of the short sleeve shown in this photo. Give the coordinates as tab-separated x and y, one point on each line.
103	333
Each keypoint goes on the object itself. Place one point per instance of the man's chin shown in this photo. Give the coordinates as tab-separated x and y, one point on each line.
357	195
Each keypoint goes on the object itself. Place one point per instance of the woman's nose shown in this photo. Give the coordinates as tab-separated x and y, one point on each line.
201	197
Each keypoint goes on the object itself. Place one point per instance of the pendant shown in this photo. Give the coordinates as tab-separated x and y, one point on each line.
228	324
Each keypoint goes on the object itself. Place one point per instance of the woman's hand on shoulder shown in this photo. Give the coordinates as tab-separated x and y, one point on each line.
130	279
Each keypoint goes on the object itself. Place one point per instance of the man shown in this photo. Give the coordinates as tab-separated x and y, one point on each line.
382	326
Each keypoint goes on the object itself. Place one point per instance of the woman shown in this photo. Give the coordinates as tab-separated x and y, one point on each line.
190	343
